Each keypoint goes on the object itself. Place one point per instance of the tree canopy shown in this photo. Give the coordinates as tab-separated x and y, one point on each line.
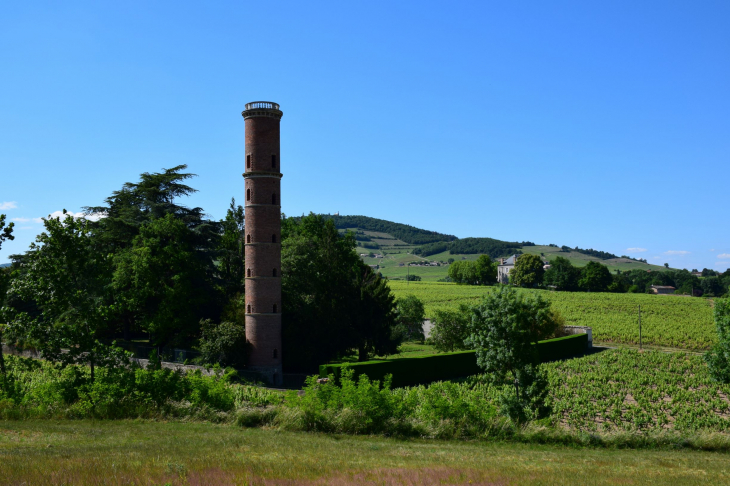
528	271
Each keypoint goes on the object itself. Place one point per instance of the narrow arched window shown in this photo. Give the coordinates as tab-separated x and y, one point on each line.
276	353
274	272
249	308
273	238
274	308
248	238
273	161
248	272
248	161
273	199
248	194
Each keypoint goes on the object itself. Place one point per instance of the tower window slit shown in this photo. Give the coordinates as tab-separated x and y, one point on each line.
248	194
249	308
273	161
274	272
248	272
276	354
273	238
273	199
248	161
274	308
248	238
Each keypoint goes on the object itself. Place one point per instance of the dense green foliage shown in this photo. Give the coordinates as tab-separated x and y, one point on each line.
333	301
504	330
667	320
6	232
223	343
410	318
562	275
403	232
487	246
41	389
450	328
68	276
482	271
603	255
528	271
595	277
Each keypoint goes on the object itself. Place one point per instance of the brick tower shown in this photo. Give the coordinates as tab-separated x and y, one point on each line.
263	234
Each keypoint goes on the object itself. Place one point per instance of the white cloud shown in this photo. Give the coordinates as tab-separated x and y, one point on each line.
60	215
676	252
8	205
21	220
636	250
723	255
712	249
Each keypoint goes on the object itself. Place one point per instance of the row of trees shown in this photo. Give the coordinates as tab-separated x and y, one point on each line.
152	268
483	271
562	275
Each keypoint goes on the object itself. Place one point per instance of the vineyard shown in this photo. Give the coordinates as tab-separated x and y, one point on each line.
667	320
627	390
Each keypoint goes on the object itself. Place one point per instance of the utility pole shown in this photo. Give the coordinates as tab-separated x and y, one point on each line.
640	327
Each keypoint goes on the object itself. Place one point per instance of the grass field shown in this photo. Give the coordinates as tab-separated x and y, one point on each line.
580	259
667	320
396	251
158	453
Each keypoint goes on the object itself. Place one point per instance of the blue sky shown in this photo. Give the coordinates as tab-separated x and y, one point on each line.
596	124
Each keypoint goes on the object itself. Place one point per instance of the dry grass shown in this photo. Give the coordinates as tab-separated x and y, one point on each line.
177	453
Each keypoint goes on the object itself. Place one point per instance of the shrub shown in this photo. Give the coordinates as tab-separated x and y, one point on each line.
450	329
411	314
223	343
44	389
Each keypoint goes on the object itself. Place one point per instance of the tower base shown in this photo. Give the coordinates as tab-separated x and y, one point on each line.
273	375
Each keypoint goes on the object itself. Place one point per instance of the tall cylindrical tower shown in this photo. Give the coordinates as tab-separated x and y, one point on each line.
263	235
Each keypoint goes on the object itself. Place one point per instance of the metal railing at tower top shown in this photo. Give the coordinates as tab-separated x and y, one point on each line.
266	105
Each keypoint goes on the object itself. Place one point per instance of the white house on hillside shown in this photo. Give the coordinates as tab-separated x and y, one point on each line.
504	267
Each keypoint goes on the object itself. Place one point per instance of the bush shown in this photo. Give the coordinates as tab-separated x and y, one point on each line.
223	343
411	314
44	389
450	329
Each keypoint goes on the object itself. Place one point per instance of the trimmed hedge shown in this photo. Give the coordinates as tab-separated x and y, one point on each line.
425	369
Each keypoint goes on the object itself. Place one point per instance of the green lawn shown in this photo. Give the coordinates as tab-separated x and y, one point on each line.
156	453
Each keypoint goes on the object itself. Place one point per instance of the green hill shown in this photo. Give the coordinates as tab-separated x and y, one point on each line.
400	249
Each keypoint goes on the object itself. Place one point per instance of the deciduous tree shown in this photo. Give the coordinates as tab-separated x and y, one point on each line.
68	276
504	329
528	272
595	277
562	274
